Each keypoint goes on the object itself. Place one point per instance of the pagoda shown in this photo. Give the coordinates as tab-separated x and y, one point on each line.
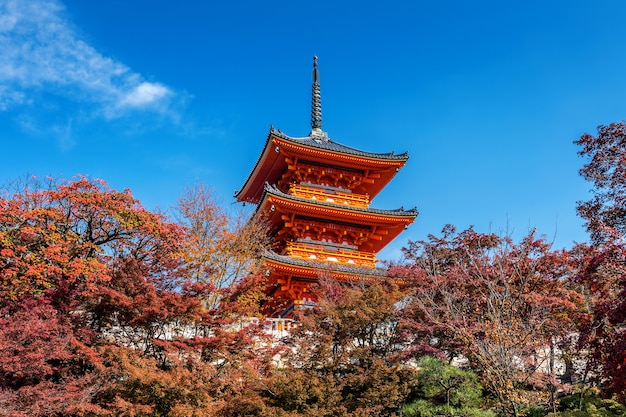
315	194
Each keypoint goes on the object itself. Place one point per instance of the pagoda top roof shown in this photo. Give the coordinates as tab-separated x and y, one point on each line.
317	146
321	140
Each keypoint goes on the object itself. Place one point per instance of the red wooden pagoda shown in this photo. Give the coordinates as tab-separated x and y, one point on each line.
316	194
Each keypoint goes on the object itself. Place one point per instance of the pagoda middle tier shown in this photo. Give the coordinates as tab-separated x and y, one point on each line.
309	215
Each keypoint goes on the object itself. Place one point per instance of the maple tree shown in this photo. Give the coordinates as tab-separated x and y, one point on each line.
605	213
46	367
100	314
602	274
221	248
603	332
77	258
204	376
505	306
345	356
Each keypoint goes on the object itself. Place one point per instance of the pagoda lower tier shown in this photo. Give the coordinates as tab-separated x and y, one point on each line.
291	281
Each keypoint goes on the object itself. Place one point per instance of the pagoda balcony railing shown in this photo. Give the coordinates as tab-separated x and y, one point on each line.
330	196
322	253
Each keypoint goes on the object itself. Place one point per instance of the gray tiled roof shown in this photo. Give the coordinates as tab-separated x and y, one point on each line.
397	212
356	270
323	142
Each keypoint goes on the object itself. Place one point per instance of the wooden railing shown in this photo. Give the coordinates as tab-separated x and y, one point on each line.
323	253
330	196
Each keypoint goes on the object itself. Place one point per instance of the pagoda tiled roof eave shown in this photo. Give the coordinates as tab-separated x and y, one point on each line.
321	143
258	160
331	145
328	266
399	212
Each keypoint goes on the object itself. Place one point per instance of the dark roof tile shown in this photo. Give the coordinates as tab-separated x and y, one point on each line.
397	212
323	142
356	270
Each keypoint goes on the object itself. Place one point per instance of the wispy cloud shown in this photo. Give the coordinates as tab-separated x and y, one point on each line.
145	94
41	51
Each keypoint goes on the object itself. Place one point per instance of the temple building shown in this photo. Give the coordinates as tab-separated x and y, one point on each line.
315	194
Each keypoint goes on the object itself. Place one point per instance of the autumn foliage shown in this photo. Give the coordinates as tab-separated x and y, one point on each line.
602	271
345	357
110	309
99	312
503	307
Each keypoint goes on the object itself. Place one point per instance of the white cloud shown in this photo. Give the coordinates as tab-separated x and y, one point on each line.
40	50
145	94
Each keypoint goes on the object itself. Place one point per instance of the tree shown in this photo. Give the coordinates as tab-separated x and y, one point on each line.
345	357
46	367
601	266
443	389
82	265
605	213
98	314
221	249
506	307
589	404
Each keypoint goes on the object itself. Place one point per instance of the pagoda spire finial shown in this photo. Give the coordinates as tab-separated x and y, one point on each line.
316	104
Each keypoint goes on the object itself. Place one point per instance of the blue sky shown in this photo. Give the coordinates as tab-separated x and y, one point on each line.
487	97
